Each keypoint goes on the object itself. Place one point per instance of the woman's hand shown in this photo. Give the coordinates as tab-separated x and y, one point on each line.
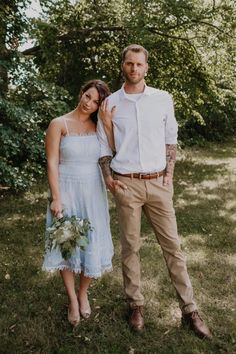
56	208
105	113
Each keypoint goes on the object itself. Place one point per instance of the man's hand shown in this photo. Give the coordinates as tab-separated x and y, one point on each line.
113	184
167	179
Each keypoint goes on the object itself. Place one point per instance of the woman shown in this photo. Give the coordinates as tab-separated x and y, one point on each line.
76	187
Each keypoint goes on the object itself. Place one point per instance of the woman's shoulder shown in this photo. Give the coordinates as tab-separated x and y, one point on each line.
59	121
57	125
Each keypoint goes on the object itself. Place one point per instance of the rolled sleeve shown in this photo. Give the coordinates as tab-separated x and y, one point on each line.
102	138
171	127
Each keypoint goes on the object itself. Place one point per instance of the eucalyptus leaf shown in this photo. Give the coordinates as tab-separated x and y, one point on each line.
68	233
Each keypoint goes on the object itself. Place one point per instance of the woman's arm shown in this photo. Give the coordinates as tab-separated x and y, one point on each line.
53	137
106	116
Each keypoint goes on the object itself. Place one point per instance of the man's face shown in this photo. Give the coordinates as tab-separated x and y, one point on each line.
134	67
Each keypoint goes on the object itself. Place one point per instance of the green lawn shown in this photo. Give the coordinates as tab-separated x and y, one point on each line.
34	304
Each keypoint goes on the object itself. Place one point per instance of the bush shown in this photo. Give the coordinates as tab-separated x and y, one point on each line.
25	116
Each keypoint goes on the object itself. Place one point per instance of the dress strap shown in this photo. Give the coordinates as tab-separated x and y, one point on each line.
67	130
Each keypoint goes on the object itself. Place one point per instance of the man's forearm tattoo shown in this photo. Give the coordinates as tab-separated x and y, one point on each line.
170	158
105	162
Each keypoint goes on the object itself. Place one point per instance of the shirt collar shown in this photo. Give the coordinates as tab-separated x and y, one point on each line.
147	91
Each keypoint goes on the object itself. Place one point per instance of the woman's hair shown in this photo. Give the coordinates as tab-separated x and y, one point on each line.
103	92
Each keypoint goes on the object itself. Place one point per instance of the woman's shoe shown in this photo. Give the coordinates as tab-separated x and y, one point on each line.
86	311
73	320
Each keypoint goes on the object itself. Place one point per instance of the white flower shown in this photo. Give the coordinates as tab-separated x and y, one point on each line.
67	223
66	235
51	229
68	232
81	222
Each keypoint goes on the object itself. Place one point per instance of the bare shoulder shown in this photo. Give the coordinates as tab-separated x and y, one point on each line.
58	124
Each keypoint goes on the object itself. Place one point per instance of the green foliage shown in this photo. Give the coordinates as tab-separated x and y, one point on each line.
24	117
67	233
190	45
21	147
45	99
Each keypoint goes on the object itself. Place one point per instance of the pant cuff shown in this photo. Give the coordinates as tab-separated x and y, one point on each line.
188	309
134	304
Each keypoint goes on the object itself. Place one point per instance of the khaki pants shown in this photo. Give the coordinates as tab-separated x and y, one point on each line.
156	202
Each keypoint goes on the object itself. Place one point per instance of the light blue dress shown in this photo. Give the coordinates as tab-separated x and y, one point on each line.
83	194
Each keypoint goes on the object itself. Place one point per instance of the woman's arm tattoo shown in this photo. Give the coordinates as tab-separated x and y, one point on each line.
170	158
104	163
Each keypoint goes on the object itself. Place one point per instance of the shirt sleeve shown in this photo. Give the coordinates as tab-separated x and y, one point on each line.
102	138
171	127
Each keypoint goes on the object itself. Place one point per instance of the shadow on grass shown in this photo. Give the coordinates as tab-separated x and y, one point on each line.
218	151
205	200
34	305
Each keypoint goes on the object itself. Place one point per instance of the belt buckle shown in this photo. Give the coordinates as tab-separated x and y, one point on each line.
143	175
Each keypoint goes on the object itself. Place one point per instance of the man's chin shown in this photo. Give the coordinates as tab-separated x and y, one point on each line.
134	81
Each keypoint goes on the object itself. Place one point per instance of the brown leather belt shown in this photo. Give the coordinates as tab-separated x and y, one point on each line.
141	175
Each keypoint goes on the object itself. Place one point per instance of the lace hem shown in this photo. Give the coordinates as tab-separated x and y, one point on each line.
78	270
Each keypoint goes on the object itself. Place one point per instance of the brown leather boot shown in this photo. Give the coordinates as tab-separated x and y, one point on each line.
136	320
196	324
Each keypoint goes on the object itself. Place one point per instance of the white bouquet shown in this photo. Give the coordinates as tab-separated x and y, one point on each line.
67	233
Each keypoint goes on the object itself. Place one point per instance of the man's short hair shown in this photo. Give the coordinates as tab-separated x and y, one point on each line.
135	48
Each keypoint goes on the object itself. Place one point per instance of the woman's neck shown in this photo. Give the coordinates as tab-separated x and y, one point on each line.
80	116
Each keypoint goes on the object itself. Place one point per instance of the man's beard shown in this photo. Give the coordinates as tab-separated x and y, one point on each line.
131	80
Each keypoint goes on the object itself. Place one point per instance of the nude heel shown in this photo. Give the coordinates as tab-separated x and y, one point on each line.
73	320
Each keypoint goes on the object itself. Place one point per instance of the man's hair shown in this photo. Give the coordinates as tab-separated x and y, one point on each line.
135	48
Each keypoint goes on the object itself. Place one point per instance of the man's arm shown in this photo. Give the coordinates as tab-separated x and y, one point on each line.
170	158
106	116
104	163
171	130
111	183
170	163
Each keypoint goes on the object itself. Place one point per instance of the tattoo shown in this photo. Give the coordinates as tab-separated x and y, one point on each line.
170	158
104	163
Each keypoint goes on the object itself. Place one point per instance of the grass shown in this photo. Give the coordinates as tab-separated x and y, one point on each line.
33	304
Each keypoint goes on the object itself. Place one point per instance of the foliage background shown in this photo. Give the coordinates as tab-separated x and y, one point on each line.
192	55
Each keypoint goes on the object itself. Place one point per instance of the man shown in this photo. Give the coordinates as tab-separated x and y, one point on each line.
145	138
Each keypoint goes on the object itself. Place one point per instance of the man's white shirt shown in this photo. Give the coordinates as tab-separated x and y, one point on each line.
143	124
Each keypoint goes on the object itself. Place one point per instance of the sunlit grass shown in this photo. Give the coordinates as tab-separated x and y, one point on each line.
34	304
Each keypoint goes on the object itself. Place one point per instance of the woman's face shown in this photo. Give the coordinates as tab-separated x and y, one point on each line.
89	101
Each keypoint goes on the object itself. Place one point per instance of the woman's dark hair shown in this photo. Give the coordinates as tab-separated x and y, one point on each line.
103	92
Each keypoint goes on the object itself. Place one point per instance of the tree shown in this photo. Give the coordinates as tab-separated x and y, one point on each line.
191	45
185	38
26	105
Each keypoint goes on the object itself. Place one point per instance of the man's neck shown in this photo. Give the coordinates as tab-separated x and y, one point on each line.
134	88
